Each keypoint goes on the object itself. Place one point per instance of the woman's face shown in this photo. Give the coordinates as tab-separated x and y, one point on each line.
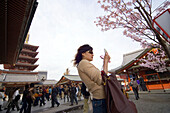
88	55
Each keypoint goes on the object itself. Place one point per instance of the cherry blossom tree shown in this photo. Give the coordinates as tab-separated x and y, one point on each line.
135	17
154	60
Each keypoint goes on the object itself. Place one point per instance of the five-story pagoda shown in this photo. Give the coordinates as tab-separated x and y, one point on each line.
22	72
26	60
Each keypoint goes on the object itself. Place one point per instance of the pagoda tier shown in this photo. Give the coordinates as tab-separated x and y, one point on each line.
30	53
26	60
30	47
24	66
21	66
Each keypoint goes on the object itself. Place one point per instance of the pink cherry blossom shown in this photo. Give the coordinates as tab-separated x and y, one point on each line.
137	25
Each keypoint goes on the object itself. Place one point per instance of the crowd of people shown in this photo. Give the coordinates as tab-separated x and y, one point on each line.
92	87
37	96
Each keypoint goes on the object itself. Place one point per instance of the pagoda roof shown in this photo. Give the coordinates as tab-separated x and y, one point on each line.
18	72
129	59
30	66
30	59
15	21
18	78
31	53
31	47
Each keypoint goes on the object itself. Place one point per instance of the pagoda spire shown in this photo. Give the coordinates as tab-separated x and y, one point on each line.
67	72
27	38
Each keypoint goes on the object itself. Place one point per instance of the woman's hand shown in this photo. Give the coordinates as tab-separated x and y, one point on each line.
105	63
106	57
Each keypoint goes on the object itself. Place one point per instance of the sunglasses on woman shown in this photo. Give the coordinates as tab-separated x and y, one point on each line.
91	52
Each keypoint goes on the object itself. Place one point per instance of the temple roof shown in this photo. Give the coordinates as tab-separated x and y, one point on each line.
6	77
129	59
30	66
29	52
18	72
30	47
15	21
73	77
49	82
67	78
29	59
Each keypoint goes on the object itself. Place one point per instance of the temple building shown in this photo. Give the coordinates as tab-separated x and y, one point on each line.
68	79
131	66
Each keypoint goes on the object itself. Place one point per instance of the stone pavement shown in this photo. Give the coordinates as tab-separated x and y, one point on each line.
147	103
64	106
155	101
152	103
166	91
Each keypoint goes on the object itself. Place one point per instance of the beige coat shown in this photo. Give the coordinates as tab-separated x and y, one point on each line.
91	76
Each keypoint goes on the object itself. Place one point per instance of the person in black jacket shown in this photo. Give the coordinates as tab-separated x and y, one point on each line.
86	96
142	84
42	94
54	96
30	97
66	93
24	101
73	94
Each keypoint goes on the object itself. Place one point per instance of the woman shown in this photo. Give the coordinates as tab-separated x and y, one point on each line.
91	76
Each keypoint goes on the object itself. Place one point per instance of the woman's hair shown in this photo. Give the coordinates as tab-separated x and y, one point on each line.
81	49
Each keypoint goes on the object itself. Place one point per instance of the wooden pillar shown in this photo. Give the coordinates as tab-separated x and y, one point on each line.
161	82
144	77
128	79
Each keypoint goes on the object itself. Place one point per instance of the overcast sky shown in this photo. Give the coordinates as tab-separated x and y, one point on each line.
59	27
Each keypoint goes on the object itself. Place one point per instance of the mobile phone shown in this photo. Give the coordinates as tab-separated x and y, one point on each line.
105	50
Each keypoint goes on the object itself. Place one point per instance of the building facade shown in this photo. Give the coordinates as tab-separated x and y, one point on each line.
131	68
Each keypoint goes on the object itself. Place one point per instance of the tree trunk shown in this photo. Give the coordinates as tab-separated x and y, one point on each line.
165	46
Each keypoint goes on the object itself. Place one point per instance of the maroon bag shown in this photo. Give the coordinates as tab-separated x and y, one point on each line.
116	100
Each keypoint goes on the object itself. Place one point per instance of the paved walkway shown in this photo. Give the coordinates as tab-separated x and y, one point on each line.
166	91
64	106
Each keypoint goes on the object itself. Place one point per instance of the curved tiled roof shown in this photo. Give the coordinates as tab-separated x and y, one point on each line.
66	78
129	59
73	77
6	77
